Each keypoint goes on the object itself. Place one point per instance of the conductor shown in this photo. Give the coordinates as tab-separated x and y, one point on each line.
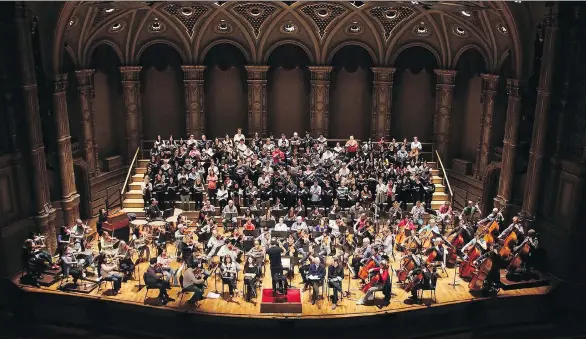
274	252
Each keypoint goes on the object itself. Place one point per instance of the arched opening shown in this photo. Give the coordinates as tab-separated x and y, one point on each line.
225	90
467	109
73	104
351	93
82	185
499	118
110	132
288	90
161	84
414	94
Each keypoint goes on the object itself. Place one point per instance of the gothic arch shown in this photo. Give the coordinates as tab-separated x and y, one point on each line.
236	44
71	53
461	51
352	43
163	42
425	45
311	56
62	22
90	51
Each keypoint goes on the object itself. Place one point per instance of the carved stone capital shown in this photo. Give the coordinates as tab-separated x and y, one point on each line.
257	72
60	84
515	87
445	76
193	72
320	72
490	82
383	74
130	73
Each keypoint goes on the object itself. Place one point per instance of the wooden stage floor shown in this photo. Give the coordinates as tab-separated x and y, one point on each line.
446	294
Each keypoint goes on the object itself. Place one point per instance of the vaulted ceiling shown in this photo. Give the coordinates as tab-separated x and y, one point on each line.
384	29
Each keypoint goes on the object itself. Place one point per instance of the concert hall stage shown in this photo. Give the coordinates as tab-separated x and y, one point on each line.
452	302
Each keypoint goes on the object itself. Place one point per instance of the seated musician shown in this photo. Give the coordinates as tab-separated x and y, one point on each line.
338	149
360	224
168	272
153	278
35	253
356	210
533	241
208	207
257	251
514	226
470	212
277	205
427	282
492	282
381	281
327	156
316	214
228	249
214	243
108	272
281	226
431	226
322	226
396	213
299	225
229	214
362	255
154	212
335	277
251	275
417	212
229	271
315	275
249	225
441	252
125	263
193	281
79	232
478	242
68	262
365	195
494	215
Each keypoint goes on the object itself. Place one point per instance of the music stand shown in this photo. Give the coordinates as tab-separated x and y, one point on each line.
267	223
455	282
257	212
279	234
252	233
289	223
277	213
168	213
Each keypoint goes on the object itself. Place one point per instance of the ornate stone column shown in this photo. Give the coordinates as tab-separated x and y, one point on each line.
44	214
132	103
193	86
320	99
505	189
382	99
257	99
489	89
84	91
444	92
542	106
69	196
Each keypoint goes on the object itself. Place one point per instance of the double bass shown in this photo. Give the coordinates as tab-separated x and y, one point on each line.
477	281
508	245
518	259
466	268
457	242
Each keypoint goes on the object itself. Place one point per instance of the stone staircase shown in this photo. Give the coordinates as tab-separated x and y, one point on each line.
133	202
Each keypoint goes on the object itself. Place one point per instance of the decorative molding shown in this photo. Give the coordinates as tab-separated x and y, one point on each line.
322	15
389	17
255	14
187	15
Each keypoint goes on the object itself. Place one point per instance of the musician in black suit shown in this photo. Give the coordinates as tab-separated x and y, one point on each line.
153	278
428	190
428	281
335	277
154	212
316	275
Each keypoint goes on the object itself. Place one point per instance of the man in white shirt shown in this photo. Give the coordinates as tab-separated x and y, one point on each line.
415	144
238	136
214	243
344	171
327	155
315	192
299	225
283	142
281	226
241	147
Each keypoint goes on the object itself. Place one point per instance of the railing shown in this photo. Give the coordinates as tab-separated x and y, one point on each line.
427	152
445	178
130	171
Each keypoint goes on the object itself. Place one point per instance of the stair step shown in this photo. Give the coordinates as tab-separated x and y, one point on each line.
135	186
436	204
133	194
136	203
141	170
143	162
439	196
137	177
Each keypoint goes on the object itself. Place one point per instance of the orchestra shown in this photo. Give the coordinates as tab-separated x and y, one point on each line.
298	202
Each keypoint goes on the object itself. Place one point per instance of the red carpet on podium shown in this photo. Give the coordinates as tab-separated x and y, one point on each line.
291	304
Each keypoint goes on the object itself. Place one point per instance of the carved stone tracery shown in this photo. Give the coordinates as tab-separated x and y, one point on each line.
255	14
323	14
188	21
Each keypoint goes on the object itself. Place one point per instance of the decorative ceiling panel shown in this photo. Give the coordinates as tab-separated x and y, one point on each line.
255	14
187	15
323	15
389	17
101	15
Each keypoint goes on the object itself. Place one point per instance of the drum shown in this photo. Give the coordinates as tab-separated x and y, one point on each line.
171	220
138	222
156	223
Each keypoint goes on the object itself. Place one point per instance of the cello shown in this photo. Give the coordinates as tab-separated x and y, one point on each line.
363	273
372	281
414	281
457	242
477	281
408	263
